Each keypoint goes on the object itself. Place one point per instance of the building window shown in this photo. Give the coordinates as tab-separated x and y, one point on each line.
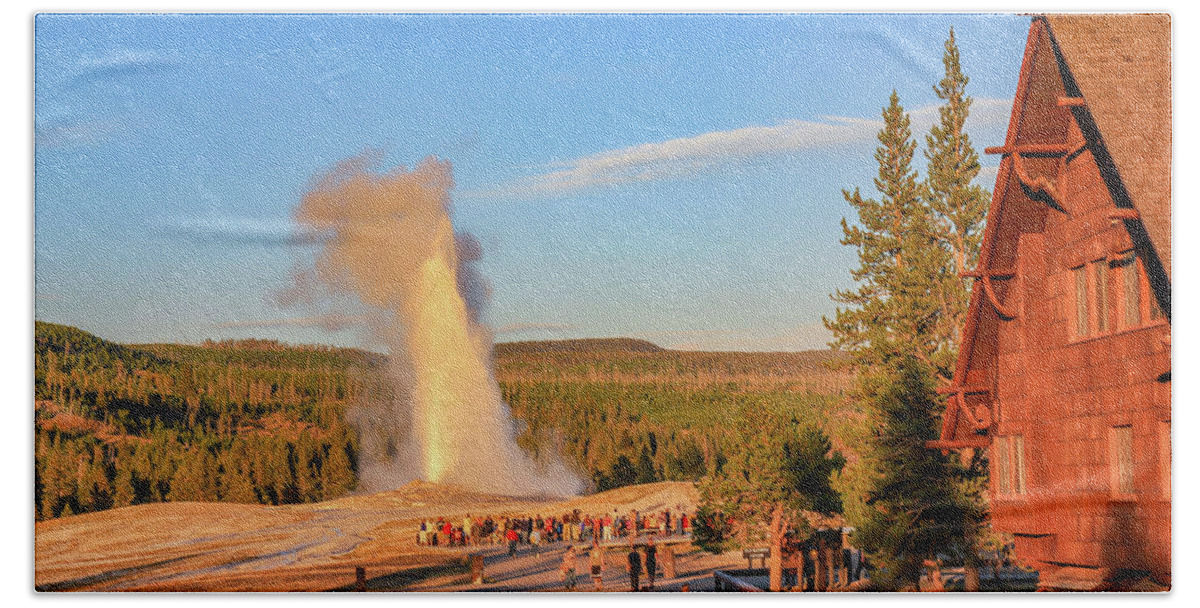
1113	294
1100	294
1081	302
1018	451
1131	290
1121	459
1009	455
1164	457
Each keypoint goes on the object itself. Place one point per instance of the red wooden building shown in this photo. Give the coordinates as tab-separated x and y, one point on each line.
1064	375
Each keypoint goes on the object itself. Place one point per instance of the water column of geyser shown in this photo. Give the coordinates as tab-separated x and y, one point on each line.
389	241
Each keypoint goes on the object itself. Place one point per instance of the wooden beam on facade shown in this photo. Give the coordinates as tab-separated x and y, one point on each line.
958	444
1124	213
1031	150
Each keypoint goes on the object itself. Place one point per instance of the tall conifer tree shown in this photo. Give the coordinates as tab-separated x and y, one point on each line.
890	327
959	209
959	206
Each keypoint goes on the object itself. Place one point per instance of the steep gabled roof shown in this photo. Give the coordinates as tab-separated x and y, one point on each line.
1122	67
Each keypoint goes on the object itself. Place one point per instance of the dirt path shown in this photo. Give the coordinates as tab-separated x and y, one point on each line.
530	571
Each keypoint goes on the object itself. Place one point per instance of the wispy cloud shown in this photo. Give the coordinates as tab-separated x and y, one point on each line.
331	322
522	327
685	156
72	135
123	62
243	230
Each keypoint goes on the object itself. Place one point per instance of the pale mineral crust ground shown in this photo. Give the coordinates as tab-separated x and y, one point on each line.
316	547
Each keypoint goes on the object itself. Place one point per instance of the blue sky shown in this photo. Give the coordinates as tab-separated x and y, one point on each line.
671	177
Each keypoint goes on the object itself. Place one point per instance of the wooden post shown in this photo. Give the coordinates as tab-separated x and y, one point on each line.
822	573
801	555
477	569
843	558
775	573
831	560
360	579
667	555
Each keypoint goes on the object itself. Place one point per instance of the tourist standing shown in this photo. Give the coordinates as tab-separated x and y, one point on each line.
634	565
568	568
512	537
597	563
651	562
535	540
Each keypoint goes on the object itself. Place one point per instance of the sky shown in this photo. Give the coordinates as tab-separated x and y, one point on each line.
675	178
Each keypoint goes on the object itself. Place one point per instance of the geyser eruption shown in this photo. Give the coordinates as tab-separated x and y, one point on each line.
389	241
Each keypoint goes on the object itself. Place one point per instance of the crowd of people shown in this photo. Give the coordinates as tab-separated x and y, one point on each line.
573	528
538	531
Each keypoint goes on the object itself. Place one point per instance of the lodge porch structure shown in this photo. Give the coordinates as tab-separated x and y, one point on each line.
1064	375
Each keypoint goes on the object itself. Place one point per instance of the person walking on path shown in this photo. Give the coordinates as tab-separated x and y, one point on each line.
634	566
535	540
568	568
597	562
512	537
651	562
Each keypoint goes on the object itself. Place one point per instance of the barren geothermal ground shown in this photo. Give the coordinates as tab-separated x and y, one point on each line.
316	547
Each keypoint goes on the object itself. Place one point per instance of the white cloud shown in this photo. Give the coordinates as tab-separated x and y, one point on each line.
685	156
264	231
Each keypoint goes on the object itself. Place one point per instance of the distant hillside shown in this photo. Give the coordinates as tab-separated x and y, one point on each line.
253	421
581	345
261	421
626	411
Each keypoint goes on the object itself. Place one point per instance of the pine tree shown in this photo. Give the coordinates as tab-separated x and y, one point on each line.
645	467
338	473
189	482
959	207
777	468
916	511
123	491
892	310
891	328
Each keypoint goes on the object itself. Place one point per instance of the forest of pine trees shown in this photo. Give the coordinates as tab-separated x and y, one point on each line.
257	421
236	422
631	417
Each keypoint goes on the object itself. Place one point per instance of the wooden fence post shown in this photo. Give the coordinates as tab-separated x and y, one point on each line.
360	579
668	561
477	569
822	573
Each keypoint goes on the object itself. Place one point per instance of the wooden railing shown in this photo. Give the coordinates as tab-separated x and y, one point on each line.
723	581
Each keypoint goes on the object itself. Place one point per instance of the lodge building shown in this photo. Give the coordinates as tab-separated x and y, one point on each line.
1064	375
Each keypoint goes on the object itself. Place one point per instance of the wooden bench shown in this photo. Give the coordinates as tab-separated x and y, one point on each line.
752	554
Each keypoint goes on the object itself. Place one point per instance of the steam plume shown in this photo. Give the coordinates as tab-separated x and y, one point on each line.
392	245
